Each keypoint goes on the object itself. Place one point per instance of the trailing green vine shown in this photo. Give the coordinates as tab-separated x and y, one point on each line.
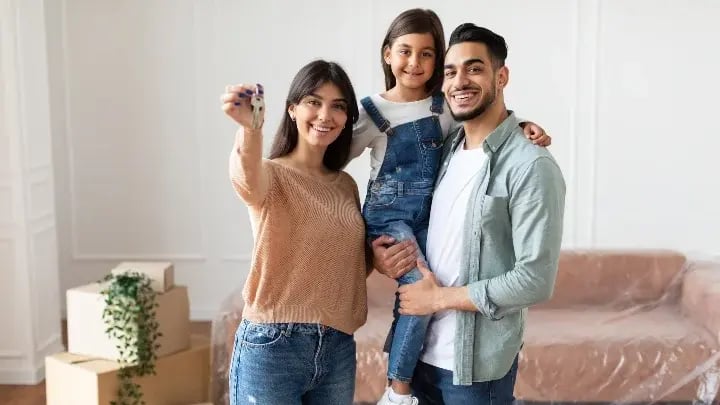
131	322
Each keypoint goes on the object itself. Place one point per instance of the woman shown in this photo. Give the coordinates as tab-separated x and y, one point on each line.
305	294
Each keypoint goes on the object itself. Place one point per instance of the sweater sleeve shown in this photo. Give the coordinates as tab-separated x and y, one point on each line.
249	179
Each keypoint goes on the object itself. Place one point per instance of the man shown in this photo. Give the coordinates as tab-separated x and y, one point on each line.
494	237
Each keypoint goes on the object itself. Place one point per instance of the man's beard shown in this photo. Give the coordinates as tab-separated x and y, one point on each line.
485	103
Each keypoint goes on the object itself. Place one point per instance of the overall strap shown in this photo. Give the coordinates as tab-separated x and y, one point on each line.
380	121
438	100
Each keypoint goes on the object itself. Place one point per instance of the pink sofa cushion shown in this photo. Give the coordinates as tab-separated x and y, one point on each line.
615	279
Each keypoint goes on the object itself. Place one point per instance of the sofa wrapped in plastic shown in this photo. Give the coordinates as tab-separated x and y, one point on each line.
621	327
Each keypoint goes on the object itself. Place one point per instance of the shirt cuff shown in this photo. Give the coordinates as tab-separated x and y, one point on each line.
479	296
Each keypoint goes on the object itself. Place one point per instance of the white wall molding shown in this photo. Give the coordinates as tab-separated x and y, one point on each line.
107	257
29	295
40	191
50	344
582	187
77	255
23	376
7	213
42	224
12	354
239	258
39	171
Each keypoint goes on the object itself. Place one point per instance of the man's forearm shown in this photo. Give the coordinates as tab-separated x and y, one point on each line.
457	298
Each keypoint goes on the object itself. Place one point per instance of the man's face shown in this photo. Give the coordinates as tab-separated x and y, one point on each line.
470	83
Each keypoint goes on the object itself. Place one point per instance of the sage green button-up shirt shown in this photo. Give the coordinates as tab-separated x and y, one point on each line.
511	245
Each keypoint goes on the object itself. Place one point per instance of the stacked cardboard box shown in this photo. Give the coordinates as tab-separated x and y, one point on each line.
87	373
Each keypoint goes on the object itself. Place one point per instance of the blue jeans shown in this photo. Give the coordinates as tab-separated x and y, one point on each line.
296	364
434	386
407	333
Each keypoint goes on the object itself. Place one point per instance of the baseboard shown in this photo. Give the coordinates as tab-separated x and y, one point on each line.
29	375
25	376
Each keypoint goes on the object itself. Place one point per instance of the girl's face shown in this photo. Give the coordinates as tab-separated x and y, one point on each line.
412	59
320	116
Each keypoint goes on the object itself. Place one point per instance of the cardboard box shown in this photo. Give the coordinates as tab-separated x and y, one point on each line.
86	328
161	274
182	378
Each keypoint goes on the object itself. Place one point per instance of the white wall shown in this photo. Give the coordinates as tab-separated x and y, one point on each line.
627	89
29	285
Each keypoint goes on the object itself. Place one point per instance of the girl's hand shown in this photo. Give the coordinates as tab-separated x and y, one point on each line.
536	134
236	103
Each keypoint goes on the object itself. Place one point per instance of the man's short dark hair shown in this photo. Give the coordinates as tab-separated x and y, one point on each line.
496	45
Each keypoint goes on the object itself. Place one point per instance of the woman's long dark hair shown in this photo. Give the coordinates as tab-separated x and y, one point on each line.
308	80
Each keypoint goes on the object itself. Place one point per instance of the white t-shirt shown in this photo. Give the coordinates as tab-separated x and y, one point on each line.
444	247
367	135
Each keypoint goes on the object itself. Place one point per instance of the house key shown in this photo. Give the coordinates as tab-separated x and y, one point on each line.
258	106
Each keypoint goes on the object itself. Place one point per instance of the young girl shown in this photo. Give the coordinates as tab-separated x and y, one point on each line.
305	295
405	128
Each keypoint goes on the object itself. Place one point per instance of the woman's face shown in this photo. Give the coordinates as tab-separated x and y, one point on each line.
320	116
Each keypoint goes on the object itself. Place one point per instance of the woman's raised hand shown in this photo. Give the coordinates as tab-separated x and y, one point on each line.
238	102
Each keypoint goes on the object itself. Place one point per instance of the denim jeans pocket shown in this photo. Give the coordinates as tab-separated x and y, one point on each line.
259	334
377	200
381	195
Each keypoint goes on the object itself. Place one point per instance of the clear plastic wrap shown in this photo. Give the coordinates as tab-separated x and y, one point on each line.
621	327
222	333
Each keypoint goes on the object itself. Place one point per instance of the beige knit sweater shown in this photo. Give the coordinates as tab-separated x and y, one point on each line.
309	256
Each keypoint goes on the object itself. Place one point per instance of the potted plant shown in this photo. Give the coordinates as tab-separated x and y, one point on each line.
129	315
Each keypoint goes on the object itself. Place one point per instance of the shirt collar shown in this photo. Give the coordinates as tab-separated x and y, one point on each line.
498	136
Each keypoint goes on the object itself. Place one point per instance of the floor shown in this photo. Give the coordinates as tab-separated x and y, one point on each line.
35	394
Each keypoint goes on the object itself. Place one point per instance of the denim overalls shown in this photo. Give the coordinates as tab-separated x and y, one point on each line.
398	204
